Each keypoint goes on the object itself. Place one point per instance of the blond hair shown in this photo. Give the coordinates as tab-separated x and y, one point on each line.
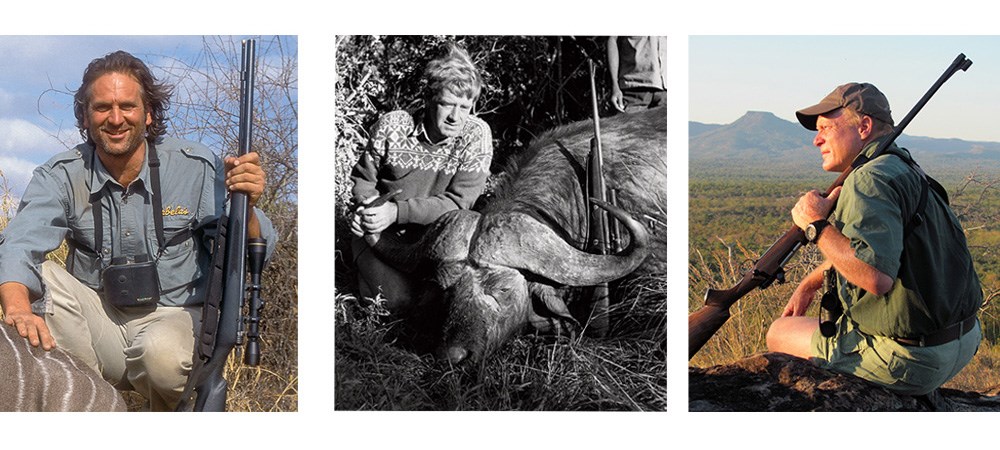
454	72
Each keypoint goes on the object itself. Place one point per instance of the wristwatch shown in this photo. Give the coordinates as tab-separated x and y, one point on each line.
814	229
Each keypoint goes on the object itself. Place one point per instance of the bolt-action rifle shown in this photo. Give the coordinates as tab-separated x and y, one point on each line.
705	322
222	321
603	231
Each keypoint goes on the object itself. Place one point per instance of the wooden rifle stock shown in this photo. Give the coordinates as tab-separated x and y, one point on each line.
705	322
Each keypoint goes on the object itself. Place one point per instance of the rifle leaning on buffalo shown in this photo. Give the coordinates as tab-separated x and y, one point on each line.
603	232
705	322
222	325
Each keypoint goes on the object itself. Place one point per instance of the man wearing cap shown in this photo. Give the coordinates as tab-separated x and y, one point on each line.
904	275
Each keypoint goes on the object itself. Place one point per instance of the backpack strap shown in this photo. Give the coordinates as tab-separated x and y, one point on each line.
926	182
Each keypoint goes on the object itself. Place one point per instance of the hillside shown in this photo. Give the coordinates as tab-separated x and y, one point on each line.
762	144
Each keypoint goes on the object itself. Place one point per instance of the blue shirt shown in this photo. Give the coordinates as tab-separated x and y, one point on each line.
57	205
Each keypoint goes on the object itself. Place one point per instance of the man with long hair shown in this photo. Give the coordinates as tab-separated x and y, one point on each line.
138	210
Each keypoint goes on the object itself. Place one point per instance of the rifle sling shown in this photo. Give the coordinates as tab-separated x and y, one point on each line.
926	181
915	220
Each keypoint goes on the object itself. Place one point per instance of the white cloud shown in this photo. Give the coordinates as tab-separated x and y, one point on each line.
21	138
6	99
17	173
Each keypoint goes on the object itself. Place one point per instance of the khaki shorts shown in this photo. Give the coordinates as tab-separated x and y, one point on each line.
901	368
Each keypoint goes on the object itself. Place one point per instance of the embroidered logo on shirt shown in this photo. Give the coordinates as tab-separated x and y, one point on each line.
175	211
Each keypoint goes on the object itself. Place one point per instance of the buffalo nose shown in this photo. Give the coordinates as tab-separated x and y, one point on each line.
456	355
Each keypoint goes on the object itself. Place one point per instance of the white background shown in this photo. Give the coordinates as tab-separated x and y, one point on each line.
316	425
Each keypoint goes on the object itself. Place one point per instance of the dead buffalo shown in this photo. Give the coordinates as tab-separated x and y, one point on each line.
519	261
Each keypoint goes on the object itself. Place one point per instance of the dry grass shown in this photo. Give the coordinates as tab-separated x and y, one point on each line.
983	373
7	203
272	386
626	371
744	333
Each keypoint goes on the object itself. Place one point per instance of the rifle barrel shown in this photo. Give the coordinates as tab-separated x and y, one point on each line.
206	376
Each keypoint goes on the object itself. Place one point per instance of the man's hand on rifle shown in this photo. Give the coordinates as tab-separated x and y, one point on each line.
812	206
244	174
356	228
373	219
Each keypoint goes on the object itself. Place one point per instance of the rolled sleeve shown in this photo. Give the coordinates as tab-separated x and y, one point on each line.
870	216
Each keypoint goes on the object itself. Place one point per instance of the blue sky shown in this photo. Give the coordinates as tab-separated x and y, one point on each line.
37	80
730	75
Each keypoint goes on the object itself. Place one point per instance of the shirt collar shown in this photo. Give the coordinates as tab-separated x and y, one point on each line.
869	150
420	132
101	177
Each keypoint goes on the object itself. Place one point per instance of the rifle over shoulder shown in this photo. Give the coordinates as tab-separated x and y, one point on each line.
705	322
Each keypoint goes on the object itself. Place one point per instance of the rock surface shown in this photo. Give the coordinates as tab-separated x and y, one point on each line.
779	382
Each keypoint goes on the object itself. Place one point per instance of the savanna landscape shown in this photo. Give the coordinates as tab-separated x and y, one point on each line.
738	209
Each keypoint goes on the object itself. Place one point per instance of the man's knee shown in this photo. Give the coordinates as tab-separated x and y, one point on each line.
776	336
791	335
164	355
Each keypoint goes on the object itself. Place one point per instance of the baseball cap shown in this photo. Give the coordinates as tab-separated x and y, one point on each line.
864	98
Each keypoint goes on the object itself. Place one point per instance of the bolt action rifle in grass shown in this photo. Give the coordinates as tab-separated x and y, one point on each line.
705	322
222	319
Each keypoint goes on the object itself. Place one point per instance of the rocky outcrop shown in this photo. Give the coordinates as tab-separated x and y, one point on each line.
779	382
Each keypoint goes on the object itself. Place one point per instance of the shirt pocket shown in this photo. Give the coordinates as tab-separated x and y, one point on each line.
84	260
179	266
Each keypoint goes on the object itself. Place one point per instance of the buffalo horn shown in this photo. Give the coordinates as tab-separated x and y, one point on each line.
522	242
447	239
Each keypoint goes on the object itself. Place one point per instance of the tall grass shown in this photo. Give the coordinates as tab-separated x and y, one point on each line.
744	333
7	203
625	371
272	386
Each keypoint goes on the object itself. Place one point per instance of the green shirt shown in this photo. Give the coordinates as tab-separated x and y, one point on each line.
935	284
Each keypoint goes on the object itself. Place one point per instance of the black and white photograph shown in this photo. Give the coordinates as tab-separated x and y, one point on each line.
501	208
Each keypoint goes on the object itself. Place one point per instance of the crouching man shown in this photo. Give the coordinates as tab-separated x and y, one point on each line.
904	276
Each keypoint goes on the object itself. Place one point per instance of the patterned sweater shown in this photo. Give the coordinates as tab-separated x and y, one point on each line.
435	178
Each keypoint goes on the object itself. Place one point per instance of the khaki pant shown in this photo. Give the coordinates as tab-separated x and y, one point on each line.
900	368
147	350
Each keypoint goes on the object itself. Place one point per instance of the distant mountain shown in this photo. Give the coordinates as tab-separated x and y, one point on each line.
696	128
762	143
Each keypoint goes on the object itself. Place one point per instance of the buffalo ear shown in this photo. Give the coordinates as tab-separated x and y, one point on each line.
548	310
